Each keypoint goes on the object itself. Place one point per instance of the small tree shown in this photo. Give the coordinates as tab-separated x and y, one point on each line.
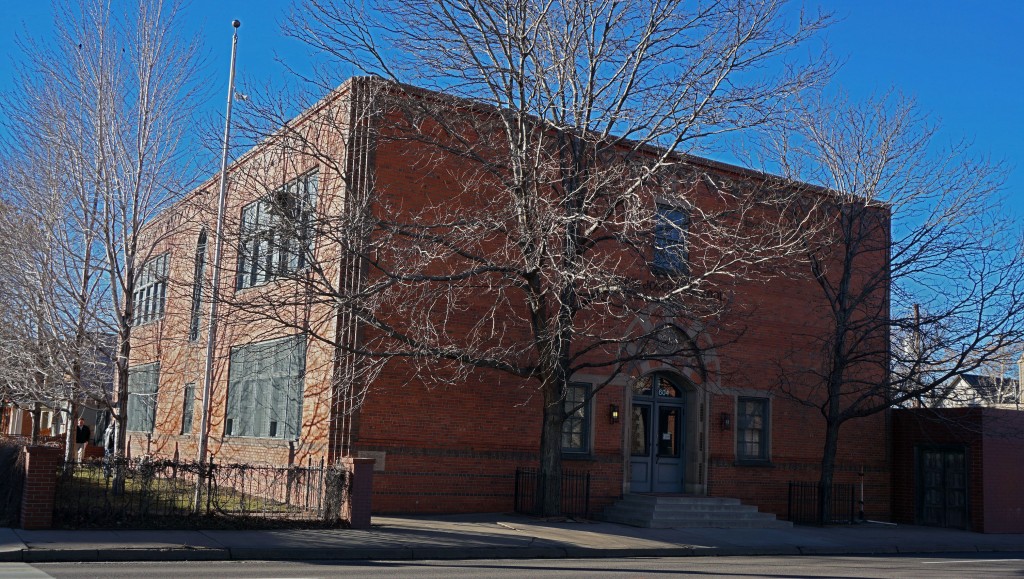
96	132
919	268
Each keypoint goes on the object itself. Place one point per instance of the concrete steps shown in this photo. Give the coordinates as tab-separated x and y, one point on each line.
664	512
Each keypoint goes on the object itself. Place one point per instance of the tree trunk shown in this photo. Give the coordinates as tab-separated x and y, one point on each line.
828	467
69	434
550	483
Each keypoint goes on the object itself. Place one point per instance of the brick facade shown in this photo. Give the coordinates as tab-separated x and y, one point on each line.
455	448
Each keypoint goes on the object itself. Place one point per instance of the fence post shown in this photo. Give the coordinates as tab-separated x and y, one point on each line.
209	484
358	506
39	493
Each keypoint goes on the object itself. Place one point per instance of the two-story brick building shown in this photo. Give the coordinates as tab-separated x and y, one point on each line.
449	442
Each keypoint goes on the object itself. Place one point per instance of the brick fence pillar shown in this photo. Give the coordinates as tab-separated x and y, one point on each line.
360	497
37	498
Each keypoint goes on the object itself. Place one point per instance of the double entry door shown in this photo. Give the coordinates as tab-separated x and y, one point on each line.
942	487
656	437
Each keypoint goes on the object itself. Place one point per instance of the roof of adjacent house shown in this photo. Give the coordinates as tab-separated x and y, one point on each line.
991	386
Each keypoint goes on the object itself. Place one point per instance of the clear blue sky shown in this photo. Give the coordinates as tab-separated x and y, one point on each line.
963	61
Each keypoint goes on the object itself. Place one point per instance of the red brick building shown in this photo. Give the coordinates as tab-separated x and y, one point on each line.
657	427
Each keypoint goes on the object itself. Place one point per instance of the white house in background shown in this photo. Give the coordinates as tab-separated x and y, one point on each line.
988	391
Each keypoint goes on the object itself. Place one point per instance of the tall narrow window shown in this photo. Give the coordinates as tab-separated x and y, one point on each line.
670	253
151	291
265	382
143	385
576	428
752	429
197	288
276	234
186	408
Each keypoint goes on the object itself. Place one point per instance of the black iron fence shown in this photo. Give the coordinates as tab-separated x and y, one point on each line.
166	493
575	493
805	504
12	465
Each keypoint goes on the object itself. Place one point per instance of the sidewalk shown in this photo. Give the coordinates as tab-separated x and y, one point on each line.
489	536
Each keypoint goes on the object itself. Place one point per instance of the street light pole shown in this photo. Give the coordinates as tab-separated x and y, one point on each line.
211	334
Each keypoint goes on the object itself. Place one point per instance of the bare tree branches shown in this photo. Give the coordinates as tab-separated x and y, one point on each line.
919	268
546	171
96	140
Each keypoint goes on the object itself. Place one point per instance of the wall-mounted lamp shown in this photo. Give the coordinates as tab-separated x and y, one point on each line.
613	413
726	421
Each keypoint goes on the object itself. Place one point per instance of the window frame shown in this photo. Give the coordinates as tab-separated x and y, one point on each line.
286	213
137	393
670	248
150	293
582	416
764	456
255	378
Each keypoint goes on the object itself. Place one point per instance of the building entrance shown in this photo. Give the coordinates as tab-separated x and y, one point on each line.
656	430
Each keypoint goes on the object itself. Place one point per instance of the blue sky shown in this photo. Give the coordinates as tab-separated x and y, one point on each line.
963	61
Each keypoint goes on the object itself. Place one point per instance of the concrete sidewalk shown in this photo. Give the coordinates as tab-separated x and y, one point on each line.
490	536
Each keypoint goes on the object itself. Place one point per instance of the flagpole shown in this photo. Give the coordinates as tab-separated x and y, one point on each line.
211	334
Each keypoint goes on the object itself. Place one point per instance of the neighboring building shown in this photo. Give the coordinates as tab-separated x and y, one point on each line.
654	428
959	468
979	390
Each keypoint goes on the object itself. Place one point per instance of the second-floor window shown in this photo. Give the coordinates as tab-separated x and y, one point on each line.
671	255
151	291
276	234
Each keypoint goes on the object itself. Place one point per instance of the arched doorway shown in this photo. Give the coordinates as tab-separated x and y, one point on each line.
658	434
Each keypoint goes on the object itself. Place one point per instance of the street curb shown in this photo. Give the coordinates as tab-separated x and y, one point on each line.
460	553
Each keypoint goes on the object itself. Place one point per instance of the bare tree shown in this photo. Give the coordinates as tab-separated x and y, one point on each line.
561	130
96	135
919	267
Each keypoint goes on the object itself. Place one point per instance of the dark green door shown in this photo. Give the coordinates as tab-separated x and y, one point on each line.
942	487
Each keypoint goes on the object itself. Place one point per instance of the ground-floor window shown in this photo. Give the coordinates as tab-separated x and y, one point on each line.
265	386
576	428
752	429
143	384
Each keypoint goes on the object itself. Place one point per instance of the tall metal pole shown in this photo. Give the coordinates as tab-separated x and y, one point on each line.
211	334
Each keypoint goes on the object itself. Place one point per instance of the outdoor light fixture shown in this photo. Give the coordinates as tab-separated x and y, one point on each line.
613	413
726	421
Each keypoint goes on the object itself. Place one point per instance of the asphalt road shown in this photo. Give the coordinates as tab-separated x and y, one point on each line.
945	565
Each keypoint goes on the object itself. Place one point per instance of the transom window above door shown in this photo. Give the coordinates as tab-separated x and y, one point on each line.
658	385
